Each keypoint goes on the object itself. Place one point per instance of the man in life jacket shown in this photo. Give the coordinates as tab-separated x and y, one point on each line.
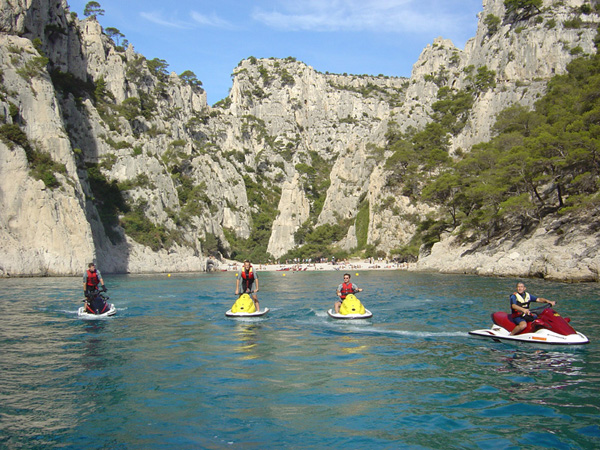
519	306
343	290
95	303
91	279
246	278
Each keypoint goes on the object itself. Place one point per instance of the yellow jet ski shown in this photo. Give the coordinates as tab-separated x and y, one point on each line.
244	307
351	308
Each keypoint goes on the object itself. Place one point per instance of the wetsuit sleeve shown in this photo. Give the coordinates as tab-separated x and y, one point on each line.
513	301
339	288
85	277
532	298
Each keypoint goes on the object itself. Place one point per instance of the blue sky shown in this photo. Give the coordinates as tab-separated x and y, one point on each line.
210	38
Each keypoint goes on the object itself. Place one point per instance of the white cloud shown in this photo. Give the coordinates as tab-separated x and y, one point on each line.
197	19
211	20
360	15
157	18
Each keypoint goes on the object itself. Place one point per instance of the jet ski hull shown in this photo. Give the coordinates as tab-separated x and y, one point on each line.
542	336
333	315
82	313
261	313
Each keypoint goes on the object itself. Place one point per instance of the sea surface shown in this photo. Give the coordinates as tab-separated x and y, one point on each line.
170	371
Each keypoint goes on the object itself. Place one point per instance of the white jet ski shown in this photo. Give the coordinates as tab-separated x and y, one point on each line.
81	312
96	307
548	327
351	308
244	307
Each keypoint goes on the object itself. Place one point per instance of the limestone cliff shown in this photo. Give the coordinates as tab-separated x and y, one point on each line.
146	172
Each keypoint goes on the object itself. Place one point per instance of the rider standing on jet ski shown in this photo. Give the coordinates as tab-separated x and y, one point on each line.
247	276
343	290
91	279
519	306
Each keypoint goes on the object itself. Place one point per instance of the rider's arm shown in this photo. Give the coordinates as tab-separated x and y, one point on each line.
256	281
520	309
237	285
100	280
545	300
515	307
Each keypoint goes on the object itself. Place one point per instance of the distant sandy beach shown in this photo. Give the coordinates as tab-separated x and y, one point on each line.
301	267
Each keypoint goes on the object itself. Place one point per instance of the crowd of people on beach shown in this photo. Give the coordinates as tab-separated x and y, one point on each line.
324	264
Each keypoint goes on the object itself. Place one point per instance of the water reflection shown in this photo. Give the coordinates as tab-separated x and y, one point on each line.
529	363
538	377
94	354
35	362
248	337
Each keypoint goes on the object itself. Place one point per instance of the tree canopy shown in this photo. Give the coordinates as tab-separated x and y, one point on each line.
114	34
522	9
93	9
190	78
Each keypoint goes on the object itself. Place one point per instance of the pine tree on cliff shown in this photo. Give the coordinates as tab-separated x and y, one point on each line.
93	9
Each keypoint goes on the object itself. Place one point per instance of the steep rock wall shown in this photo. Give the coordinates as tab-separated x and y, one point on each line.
186	166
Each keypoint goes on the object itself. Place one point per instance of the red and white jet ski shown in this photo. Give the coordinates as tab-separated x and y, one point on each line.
548	327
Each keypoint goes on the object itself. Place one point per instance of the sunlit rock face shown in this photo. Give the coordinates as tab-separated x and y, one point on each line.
187	166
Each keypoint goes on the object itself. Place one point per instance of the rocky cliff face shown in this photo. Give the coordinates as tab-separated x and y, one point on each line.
147	172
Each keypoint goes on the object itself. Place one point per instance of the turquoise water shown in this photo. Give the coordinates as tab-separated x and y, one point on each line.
170	371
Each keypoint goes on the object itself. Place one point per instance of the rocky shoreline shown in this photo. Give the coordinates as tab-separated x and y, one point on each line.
570	256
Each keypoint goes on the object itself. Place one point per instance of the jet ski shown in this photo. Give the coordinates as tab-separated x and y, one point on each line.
548	327
351	308
96	306
244	307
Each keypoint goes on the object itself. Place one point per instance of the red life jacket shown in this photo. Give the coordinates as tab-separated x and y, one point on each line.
247	275
92	279
346	289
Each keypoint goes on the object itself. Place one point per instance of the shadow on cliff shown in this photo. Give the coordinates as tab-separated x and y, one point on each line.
77	97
